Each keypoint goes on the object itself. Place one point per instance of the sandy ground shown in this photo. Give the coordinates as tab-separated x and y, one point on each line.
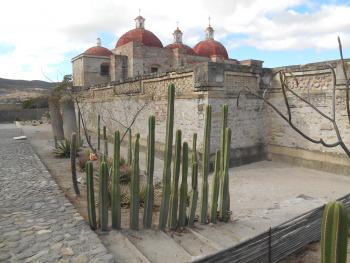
263	194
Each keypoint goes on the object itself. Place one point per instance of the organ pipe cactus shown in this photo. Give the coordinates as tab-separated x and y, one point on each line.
334	233
105	141
175	183
129	160
103	196
167	158
215	189
90	194
147	216
205	166
194	185
98	132
73	152
116	195
79	129
224	205
183	187
224	117
135	187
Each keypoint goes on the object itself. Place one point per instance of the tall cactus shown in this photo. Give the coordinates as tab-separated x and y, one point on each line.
224	120
183	187
105	141
73	153
194	185
79	129
205	166
174	197
147	215
90	194
129	160
163	216
215	190
225	194
334	233
116	202
135	187
98	132
103	196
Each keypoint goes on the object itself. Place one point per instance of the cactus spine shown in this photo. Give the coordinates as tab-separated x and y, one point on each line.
334	233
103	196
167	158
105	141
205	166
116	202
224	117
73	152
129	160
183	187
135	187
225	194
215	189
194	185
90	194
147	216
98	132
175	183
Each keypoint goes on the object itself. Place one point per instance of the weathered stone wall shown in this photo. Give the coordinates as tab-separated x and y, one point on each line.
118	103
315	83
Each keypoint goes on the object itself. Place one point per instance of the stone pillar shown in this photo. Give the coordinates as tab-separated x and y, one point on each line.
56	118
69	118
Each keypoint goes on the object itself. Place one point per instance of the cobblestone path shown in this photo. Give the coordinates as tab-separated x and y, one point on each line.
37	222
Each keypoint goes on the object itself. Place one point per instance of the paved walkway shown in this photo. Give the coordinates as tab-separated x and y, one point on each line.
37	222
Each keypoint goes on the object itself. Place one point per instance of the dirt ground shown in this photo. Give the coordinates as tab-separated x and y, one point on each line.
263	194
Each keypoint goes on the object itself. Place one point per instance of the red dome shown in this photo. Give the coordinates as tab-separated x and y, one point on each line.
98	51
209	48
140	35
186	49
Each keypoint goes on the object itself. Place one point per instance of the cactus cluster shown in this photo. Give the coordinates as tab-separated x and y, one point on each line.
334	233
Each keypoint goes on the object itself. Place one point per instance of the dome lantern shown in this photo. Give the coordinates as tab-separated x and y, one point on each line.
98	42
140	21
177	35
209	32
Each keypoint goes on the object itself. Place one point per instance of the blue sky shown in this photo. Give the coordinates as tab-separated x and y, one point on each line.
41	37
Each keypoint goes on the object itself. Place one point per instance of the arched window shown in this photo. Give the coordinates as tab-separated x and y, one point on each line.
104	69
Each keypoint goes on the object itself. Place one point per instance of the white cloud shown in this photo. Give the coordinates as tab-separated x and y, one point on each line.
42	31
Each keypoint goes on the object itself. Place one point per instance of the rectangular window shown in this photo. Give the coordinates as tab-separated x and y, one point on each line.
154	69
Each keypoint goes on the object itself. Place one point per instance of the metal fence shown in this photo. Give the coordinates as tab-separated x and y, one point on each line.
276	243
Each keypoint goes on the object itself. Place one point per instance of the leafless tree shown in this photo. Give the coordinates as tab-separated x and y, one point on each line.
288	116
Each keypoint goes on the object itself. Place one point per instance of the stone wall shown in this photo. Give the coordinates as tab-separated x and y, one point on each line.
22	114
314	83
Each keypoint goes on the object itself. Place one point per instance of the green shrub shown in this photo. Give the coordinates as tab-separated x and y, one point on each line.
63	149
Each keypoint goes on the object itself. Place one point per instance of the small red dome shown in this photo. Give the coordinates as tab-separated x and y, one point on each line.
186	49
209	48
140	35
98	51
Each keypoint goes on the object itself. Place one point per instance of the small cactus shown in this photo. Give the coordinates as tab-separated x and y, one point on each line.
334	233
183	187
147	216
194	185
224	205
116	199
90	194
163	216
103	196
135	187
73	153
174	197
98	132
129	160
105	141
215	189
205	166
